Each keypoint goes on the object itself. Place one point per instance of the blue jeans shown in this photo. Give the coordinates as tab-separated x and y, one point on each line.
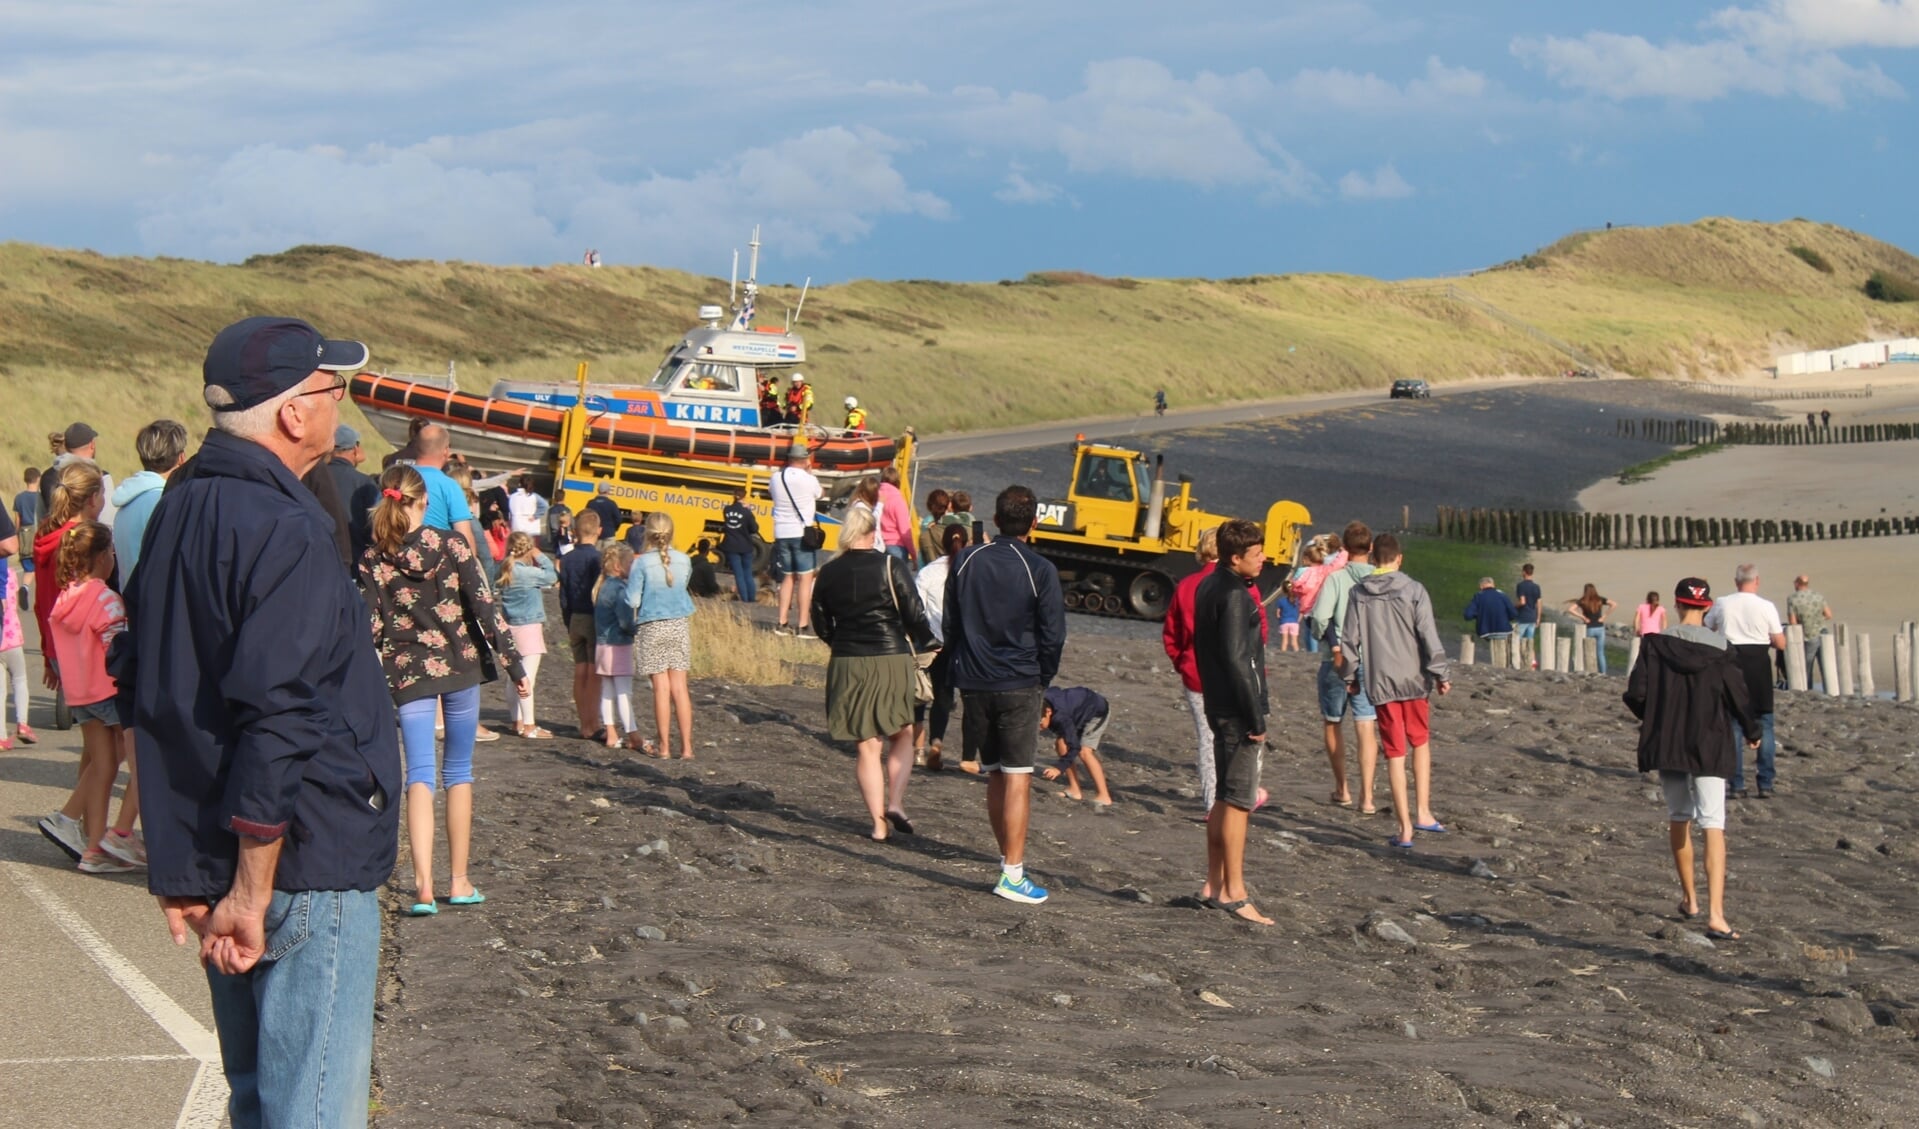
1525	630
462	709
1599	633
1763	772
790	558
296	1033
1335	700
742	566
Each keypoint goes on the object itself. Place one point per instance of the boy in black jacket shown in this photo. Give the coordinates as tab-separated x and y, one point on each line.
1232	680
1686	690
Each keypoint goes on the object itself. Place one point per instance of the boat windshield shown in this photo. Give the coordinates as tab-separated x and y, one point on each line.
705	376
669	369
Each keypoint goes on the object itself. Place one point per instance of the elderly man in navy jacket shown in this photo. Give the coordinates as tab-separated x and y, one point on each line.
269	765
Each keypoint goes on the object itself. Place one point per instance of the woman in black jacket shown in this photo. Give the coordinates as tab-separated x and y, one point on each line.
866	606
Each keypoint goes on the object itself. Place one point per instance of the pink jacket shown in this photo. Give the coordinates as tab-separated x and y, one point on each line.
1310	580
10	636
86	617
896	525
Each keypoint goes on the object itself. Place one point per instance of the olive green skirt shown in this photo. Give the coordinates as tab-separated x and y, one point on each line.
868	695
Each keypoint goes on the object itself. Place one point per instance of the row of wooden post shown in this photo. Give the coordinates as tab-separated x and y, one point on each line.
1799	435
1577	653
1560	529
1845	658
1691	432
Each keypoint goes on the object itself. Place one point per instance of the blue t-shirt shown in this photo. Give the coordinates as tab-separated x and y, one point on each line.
27	505
1288	611
1529	611
445	501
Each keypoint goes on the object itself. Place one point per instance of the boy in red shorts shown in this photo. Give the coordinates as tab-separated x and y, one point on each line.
1391	631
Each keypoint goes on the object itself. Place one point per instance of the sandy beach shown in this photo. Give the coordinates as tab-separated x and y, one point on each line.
1862	580
716	942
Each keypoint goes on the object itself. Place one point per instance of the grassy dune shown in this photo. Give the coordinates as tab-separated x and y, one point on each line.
117	341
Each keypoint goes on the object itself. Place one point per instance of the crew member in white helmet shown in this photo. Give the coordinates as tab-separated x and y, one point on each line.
799	400
855	416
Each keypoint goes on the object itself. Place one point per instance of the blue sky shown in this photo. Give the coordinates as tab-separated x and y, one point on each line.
956	139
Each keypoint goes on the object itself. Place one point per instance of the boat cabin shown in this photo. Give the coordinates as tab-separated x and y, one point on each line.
710	378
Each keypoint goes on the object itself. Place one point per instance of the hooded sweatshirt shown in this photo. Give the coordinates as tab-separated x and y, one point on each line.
1390	628
429	597
134	499
46	555
1685	694
86	616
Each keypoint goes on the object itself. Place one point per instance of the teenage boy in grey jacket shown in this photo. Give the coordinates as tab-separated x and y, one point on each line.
1390	631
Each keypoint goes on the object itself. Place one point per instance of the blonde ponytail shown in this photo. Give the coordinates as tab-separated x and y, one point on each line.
659	535
401	487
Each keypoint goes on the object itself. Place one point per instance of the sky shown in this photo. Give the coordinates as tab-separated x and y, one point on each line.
947	139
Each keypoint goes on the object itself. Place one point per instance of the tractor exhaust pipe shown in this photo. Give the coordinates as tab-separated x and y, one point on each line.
1156	503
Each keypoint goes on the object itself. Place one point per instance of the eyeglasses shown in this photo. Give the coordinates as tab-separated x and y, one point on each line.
336	390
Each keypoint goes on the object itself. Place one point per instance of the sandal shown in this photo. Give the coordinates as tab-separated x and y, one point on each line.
535	733
1233	909
26	736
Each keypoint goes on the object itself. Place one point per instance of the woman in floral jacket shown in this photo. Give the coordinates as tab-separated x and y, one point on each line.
429	596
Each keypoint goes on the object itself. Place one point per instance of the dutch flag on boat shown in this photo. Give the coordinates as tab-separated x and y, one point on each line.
788	352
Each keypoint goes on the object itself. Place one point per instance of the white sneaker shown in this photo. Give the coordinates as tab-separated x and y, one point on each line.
65	833
130	849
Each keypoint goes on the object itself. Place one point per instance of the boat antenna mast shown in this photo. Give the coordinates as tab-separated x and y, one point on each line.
744	309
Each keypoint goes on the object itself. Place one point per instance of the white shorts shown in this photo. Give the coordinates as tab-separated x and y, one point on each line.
1695	799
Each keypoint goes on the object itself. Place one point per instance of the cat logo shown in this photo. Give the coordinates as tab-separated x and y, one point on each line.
1058	515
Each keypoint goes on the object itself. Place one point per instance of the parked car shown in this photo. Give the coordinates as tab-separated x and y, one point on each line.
1411	390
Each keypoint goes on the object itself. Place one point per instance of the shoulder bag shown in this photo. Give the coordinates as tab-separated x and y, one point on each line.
812	537
922	677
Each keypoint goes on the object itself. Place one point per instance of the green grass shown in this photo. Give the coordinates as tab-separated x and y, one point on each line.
1450	570
118	341
1640	472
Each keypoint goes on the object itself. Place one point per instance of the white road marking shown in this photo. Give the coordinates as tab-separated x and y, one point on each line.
94	1058
206	1101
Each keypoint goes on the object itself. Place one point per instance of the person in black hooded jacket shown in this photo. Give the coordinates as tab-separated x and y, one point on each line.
1686	690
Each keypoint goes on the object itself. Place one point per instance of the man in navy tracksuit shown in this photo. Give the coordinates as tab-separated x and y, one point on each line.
268	754
1005	626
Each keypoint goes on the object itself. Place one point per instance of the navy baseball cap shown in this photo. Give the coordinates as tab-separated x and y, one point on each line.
259	358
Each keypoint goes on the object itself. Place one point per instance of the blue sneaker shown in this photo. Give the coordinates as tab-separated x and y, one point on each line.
1025	890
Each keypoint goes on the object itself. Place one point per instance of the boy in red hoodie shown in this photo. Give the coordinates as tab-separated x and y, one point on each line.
86	616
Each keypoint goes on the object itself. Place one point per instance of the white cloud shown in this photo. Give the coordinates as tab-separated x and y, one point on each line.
821	187
1134	117
1787	48
1832	24
1385	183
1440	87
1017	189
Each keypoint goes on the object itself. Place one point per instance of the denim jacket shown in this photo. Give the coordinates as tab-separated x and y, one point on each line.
649	593
613	624
523	595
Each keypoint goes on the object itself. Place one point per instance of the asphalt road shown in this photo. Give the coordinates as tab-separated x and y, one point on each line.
105	1023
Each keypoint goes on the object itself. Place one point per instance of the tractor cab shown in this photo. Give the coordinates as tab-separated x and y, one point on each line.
1107	500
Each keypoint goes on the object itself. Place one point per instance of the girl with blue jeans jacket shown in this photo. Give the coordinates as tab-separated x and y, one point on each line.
613	629
662	608
525	574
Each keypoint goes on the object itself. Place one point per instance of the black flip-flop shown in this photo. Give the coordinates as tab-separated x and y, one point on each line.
1684	913
1231	909
1722	934
899	823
